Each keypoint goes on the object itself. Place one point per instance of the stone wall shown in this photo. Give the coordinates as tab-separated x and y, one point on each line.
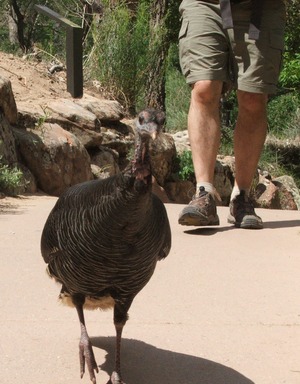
63	141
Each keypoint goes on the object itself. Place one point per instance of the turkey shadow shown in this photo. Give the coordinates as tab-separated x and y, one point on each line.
145	364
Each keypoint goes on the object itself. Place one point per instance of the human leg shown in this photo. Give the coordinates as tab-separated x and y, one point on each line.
204	128
204	134
257	66
204	54
249	137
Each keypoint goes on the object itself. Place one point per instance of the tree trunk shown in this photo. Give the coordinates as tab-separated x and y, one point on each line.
12	30
18	18
158	49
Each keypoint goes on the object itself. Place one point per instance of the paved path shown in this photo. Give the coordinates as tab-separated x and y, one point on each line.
223	308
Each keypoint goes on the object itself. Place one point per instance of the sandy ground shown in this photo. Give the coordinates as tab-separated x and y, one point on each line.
223	308
31	81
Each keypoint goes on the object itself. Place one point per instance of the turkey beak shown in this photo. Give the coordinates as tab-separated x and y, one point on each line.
154	135
152	129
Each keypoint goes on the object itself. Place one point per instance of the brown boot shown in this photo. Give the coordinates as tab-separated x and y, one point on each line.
201	211
242	213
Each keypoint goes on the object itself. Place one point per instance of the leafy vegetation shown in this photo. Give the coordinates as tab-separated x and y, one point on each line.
185	166
10	178
282	115
120	55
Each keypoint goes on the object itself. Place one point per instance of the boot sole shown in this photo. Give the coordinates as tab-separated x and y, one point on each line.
197	220
249	222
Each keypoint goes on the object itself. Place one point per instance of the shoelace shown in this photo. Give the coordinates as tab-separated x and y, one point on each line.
203	192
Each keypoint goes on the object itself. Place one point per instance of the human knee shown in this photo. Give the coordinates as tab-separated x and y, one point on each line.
254	103
206	92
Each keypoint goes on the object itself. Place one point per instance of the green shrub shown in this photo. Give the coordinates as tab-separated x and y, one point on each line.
177	101
184	166
121	53
10	178
282	112
290	74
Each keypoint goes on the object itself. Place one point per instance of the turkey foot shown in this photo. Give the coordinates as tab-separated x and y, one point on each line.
116	379
86	355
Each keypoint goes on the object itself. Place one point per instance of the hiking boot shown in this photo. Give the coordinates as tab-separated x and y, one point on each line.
201	210
242	214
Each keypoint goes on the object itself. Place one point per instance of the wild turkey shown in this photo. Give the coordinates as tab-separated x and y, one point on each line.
103	238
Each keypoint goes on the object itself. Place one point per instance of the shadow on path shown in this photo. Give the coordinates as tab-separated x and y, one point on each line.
282	224
209	231
143	363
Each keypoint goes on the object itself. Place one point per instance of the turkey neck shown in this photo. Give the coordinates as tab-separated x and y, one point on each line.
141	163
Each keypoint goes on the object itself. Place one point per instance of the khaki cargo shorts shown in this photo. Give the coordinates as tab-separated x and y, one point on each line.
208	52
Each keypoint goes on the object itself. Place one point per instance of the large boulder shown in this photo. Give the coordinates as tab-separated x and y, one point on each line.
105	110
288	192
7	100
56	157
68	112
279	193
8	153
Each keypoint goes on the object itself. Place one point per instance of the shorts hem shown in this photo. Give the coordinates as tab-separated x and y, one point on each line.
192	79
254	88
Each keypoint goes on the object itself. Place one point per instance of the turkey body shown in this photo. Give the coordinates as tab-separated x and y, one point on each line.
102	241
103	238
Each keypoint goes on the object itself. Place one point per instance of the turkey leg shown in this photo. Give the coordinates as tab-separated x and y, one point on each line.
86	354
120	318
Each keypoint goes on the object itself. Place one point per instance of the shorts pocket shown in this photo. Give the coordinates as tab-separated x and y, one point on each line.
183	48
183	29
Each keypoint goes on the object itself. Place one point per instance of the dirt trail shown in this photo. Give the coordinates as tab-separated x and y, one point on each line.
31	80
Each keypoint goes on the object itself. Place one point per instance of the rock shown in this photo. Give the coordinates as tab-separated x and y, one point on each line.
70	112
7	101
30	115
228	161
89	138
223	181
56	157
288	192
159	191
117	141
182	141
106	161
8	152
279	193
180	192
98	172
28	182
266	195
163	153
105	110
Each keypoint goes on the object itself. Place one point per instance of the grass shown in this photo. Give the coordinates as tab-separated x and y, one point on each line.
177	101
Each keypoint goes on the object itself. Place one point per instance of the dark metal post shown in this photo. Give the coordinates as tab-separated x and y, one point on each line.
73	51
74	61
